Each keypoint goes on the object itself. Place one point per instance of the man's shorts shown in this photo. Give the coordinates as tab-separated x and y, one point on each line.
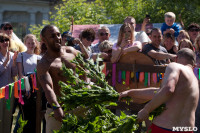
156	129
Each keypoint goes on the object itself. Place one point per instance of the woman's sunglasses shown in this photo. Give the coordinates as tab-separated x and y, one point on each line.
4	40
7	28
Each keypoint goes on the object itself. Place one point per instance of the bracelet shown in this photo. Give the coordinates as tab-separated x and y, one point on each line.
54	107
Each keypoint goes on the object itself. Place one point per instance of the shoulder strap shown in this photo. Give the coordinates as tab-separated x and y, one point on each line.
22	64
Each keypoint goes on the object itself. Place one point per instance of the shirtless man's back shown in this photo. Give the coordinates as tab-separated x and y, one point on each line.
183	99
179	91
49	73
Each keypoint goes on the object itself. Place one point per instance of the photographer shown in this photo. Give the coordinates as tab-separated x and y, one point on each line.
87	36
67	39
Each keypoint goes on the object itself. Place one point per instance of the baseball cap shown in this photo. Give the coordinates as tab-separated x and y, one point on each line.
5	23
66	32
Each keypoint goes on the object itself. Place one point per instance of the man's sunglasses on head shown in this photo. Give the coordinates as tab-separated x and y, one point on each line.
102	34
7	28
195	29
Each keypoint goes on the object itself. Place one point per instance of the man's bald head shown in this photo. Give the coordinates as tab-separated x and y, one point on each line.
43	31
188	55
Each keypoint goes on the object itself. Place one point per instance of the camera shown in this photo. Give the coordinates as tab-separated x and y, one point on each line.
69	38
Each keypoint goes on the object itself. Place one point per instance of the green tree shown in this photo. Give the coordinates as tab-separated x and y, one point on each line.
114	12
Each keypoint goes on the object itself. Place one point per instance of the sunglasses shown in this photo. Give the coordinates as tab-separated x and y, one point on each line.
4	40
90	39
7	28
192	30
102	34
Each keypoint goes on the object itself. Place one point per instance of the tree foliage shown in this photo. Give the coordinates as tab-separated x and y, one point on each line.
114	12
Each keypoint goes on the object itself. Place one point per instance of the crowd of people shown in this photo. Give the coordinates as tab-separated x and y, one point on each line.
179	90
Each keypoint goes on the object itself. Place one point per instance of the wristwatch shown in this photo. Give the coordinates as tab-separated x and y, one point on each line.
54	107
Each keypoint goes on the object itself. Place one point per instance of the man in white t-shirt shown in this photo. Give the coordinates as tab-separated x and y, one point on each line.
139	36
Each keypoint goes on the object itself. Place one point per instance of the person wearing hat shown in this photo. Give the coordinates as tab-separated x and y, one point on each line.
67	39
15	45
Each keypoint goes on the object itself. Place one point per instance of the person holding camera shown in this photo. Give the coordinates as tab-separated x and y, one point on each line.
139	36
67	39
87	36
125	43
145	22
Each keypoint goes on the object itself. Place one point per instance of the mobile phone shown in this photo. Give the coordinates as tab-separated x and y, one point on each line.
148	16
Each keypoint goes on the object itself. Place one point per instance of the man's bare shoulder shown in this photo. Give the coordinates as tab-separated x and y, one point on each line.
43	65
70	49
174	66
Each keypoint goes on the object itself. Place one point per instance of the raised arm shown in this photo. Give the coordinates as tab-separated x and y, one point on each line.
166	92
83	48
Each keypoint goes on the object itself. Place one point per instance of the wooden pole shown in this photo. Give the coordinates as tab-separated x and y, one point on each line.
38	107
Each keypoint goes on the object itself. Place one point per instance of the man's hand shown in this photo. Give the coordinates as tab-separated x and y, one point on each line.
172	56
58	114
142	115
123	94
146	21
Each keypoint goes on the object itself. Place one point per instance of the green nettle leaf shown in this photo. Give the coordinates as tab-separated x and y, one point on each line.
87	103
22	123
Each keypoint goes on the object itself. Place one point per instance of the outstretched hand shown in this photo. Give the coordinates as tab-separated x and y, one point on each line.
58	114
123	94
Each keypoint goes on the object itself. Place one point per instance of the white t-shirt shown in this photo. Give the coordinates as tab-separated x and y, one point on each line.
141	36
29	61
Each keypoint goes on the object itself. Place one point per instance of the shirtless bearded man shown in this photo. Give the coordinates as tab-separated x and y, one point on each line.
49	73
179	91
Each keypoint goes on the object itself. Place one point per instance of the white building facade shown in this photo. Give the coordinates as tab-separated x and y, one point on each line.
23	13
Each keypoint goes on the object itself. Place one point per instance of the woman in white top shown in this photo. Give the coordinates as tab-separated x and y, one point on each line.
27	62
126	42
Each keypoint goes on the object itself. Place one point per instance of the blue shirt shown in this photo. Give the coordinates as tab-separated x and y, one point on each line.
174	26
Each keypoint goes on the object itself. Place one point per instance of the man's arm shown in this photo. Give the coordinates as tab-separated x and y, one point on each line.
139	95
166	92
144	39
47	84
160	55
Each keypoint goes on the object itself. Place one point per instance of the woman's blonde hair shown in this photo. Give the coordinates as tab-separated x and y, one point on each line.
196	44
121	32
3	36
188	42
185	33
105	45
37	49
